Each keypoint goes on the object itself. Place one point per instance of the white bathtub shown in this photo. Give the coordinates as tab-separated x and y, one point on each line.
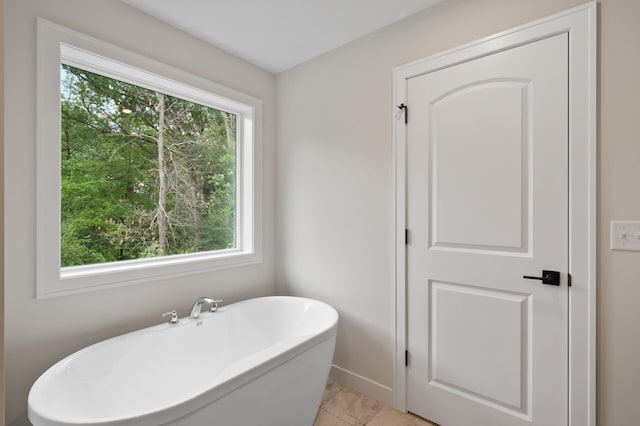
261	362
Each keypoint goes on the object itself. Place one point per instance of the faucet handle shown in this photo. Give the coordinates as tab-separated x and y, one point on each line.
174	316
213	305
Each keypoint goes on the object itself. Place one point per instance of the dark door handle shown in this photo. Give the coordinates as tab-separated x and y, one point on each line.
548	277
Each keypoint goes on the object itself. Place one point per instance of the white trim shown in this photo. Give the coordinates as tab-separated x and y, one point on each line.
361	384
56	45
581	25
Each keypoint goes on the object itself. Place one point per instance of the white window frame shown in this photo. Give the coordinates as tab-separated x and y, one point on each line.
59	45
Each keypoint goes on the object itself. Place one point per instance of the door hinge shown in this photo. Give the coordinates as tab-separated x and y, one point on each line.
569	279
406	358
406	112
406	237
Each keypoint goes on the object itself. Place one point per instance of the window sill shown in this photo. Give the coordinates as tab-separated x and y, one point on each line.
83	279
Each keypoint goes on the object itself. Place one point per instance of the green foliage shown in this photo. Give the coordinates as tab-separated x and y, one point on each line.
111	173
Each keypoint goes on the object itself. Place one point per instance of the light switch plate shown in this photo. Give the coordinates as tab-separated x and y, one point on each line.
625	235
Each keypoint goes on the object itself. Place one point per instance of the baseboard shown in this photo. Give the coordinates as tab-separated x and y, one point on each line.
363	385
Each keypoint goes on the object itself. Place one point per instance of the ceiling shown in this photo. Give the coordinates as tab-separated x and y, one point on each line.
279	34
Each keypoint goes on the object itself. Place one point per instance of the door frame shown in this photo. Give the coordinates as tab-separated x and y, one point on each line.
581	25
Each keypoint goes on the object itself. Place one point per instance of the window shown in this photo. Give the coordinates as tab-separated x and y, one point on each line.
144	171
143	174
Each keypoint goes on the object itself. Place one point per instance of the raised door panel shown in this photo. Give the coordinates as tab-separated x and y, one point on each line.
479	344
479	166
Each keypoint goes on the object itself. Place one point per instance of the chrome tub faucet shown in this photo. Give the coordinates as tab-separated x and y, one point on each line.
213	306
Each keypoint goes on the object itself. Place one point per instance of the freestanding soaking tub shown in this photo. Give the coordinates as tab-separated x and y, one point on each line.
260	362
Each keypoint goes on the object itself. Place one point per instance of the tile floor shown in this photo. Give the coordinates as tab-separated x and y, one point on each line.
343	406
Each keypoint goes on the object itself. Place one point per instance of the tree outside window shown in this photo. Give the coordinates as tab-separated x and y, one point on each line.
143	174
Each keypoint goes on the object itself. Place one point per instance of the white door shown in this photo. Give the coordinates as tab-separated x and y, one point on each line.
487	203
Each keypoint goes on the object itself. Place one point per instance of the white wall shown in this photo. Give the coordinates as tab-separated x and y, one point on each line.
38	333
334	183
1	218
619	199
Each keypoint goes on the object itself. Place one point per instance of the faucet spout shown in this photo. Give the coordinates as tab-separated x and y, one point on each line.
197	307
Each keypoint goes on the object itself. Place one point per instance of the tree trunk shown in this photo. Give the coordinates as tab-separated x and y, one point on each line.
228	129
193	189
162	177
231	149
